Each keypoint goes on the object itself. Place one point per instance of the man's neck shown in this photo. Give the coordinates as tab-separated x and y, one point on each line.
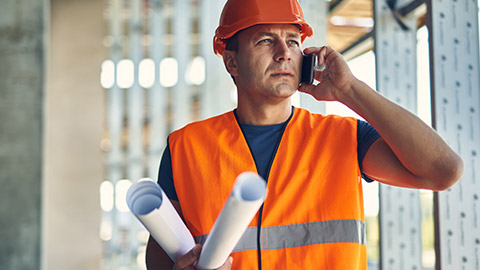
264	114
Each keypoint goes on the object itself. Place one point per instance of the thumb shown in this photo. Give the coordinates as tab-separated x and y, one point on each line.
308	89
189	258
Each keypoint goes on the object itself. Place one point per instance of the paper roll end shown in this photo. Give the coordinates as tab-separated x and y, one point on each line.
249	186
144	197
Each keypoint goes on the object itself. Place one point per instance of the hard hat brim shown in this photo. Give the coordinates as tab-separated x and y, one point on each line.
223	33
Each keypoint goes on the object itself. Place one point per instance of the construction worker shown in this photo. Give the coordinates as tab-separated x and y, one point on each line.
313	215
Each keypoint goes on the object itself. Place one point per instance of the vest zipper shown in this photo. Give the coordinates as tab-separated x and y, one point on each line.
260	212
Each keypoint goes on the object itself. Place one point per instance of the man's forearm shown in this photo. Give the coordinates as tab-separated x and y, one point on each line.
418	147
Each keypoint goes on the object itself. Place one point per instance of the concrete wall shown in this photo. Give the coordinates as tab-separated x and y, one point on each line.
74	120
22	68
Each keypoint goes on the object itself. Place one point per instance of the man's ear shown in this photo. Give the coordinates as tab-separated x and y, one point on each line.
230	62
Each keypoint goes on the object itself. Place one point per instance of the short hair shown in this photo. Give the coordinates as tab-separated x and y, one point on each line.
232	45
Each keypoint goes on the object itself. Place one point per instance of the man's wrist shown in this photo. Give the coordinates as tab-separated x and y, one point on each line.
348	95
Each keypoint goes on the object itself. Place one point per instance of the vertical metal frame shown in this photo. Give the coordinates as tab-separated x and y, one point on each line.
182	31
157	95
135	113
218	86
115	111
454	65
400	208
136	97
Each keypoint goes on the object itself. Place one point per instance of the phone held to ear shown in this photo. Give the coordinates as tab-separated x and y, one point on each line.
308	68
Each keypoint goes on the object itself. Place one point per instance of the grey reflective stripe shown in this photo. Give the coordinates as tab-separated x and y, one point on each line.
303	234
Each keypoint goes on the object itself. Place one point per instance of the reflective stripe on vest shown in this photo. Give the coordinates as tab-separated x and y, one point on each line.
304	234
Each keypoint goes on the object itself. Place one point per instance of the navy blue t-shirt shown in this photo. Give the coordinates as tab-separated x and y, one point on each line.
263	141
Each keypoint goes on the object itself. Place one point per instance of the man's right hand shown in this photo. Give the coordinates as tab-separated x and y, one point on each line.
187	261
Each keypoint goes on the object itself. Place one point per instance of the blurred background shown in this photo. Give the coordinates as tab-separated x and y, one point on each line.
90	90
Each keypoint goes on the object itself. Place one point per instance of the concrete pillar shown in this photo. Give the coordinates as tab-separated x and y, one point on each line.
74	113
22	70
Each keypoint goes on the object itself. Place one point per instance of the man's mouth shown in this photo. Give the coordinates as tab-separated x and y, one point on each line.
282	73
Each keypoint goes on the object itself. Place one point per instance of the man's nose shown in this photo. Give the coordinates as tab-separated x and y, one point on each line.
282	52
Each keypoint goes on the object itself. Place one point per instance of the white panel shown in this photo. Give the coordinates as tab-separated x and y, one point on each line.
400	209
315	13
157	94
182	51
455	78
218	86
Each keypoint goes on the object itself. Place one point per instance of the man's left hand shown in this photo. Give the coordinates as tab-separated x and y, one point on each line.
335	80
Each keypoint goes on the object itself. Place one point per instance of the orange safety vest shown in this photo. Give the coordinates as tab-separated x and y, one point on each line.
313	215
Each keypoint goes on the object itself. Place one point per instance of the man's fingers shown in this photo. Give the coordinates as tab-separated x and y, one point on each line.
227	265
321	53
321	56
230	262
187	260
308	89
315	50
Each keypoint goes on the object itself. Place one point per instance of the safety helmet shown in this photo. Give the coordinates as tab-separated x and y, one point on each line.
241	14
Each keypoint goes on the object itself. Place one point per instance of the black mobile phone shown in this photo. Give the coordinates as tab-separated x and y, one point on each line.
308	68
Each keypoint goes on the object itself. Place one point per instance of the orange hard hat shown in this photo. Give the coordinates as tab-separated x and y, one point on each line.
241	14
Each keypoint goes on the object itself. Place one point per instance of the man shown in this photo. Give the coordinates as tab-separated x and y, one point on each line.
313	215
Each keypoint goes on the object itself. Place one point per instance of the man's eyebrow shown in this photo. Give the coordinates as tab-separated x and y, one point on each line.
262	34
293	35
269	34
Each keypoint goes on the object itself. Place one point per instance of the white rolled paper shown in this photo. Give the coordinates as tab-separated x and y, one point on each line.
153	209
243	203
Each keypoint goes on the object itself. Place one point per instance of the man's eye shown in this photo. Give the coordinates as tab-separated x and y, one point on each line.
294	42
265	41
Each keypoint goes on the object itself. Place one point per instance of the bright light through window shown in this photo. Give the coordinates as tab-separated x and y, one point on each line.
106	196
107	76
121	195
296	99
347	21
125	73
196	71
233	94
424	108
146	73
105	231
168	72
363	67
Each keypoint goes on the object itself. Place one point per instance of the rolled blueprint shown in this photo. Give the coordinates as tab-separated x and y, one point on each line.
243	203
150	205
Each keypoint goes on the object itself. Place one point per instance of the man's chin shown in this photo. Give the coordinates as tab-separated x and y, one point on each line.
286	88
